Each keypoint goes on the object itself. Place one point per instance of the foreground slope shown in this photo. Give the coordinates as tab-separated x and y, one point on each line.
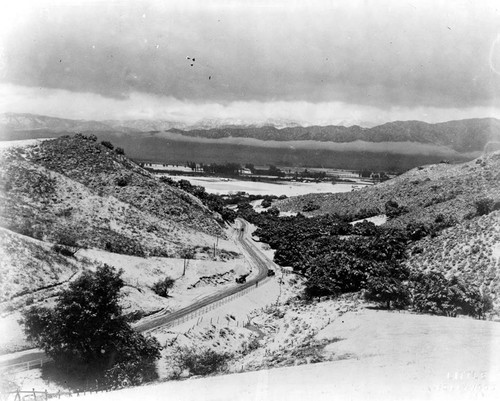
386	356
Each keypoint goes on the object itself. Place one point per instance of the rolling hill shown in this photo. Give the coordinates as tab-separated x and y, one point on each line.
76	187
425	192
70	204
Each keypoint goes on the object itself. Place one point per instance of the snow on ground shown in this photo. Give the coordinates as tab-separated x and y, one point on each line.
11	333
377	220
257	205
496	251
393	356
21	143
371	354
202	278
227	186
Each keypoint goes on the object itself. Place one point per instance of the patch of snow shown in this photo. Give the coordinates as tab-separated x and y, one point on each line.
496	251
21	143
377	220
228	186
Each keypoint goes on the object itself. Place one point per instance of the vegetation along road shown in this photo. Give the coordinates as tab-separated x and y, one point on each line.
255	258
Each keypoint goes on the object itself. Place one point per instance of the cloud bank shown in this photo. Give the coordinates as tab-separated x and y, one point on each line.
402	148
251	59
75	105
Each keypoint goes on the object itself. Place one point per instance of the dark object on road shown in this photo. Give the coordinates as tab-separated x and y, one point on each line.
242	279
270	273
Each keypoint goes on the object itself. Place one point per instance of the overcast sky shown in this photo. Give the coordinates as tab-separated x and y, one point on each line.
315	62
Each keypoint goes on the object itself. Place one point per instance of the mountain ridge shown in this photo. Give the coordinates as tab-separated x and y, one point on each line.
460	135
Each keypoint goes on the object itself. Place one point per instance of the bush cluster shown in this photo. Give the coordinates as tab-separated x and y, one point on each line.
336	257
107	144
162	287
200	362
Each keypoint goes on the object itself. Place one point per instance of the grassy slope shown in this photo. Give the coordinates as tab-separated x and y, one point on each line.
427	191
100	169
28	265
470	249
145	214
76	195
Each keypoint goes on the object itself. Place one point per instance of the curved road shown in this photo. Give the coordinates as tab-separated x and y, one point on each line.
255	257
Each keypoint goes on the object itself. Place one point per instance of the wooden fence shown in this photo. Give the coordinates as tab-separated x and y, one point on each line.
22	366
33	395
202	311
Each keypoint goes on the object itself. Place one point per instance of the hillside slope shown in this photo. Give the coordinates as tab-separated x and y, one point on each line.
426	192
72	187
110	174
470	249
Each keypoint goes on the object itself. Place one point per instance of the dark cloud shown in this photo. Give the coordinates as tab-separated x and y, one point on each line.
378	53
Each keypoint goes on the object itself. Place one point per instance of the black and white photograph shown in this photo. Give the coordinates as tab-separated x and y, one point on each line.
249	200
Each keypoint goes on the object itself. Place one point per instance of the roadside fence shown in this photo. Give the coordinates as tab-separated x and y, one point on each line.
204	310
33	395
22	366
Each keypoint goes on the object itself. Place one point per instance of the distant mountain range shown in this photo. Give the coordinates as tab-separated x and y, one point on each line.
281	142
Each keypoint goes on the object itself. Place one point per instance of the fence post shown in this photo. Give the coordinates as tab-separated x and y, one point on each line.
34	395
46	395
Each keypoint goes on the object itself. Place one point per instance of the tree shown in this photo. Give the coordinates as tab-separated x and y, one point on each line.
385	284
393	210
434	293
87	331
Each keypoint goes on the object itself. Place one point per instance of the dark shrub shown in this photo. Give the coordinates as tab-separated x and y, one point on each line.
107	144
266	203
484	206
64	251
433	293
201	362
119	151
162	287
125	246
392	209
123	181
310	207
